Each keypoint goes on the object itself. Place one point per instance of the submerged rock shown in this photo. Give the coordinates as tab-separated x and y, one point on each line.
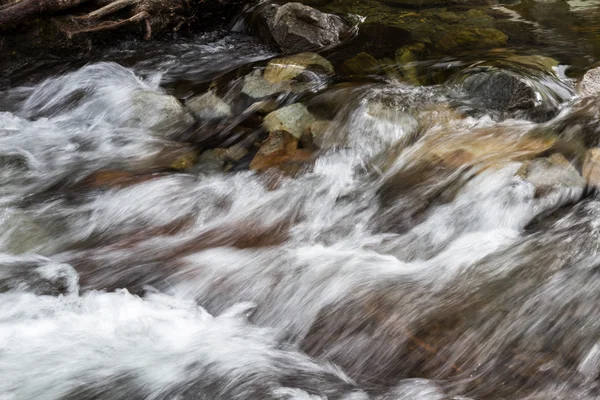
472	38
429	3
287	68
318	132
257	87
579	124
591	168
514	90
209	107
551	174
295	27
294	119
37	275
362	64
280	150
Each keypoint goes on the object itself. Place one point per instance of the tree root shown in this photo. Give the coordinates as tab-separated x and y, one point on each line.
157	15
107	10
110	25
24	9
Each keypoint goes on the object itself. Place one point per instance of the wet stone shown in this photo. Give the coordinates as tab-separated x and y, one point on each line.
209	107
285	69
295	27
361	65
471	38
159	112
551	174
591	168
280	150
257	87
590	83
294	119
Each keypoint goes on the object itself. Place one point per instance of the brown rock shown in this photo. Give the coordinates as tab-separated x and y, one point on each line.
591	167
280	150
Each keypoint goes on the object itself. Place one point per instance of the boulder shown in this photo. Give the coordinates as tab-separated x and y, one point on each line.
516	90
296	28
590	83
294	119
209	107
288	68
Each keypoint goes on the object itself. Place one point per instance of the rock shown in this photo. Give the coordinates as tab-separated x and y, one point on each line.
519	92
579	126
429	3
361	65
210	162
318	132
160	113
294	119
538	62
257	87
551	174
590	83
110	179
591	167
406	57
234	153
297	28
280	150
37	275
287	68
209	107
471	38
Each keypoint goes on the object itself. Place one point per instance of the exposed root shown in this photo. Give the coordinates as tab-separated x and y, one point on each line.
25	9
107	10
110	25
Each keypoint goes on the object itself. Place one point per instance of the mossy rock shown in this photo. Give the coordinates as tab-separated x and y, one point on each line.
472	38
362	64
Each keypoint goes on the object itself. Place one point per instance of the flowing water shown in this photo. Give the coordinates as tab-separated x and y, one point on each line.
435	245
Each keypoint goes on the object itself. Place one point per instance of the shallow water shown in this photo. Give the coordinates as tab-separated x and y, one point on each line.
432	248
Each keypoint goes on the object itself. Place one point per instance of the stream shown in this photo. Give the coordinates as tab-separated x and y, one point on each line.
421	221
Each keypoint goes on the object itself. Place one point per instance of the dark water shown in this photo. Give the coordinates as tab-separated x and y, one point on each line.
436	240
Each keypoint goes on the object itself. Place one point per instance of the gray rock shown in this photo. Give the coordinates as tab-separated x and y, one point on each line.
294	119
209	107
518	93
296	28
590	83
257	87
552	174
161	113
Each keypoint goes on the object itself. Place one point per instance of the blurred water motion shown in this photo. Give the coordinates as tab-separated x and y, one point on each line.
435	241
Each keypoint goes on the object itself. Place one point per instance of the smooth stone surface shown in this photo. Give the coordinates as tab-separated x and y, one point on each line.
296	28
209	107
294	119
